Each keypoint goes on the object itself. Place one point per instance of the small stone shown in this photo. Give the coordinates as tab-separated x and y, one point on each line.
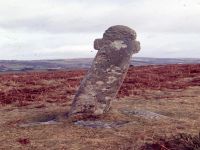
31	124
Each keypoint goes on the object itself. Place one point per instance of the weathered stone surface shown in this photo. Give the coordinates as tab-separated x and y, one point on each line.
107	72
145	114
31	124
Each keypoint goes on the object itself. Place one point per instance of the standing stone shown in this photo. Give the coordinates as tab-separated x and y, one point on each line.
107	72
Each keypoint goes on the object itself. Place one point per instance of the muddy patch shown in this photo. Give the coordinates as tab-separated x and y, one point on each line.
50	119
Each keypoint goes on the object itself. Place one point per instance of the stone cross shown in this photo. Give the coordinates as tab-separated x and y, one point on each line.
106	75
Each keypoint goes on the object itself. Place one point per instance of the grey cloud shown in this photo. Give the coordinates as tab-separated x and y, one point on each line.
144	23
47	24
163	33
126	12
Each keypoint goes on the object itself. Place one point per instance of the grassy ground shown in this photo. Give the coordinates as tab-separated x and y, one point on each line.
181	106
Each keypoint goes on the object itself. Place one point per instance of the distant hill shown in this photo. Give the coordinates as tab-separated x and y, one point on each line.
83	63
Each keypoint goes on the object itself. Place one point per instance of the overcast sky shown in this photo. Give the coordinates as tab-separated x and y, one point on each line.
57	29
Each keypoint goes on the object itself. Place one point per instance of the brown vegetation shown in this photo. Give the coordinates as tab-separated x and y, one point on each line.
176	142
59	86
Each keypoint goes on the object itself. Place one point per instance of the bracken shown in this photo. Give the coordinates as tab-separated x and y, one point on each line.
59	86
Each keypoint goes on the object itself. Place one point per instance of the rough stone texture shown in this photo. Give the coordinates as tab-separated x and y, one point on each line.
145	114
31	124
107	72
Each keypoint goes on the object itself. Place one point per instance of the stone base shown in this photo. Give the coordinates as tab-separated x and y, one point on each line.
144	114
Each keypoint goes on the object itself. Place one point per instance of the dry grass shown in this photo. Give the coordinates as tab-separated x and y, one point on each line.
182	106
